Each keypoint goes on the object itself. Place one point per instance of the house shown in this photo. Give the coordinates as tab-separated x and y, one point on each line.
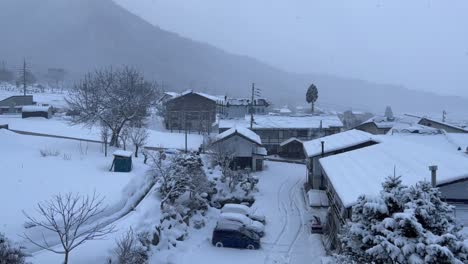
441	125
275	129
192	111
380	125
36	111
329	146
361	172
122	161
14	104
243	145
292	148
239	107
168	96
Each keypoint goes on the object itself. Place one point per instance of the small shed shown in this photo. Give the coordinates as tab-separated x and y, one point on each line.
122	161
292	148
36	111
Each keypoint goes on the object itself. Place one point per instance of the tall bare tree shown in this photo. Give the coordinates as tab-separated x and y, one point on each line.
72	218
114	97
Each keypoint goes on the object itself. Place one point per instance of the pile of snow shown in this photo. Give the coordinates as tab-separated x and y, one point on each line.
362	171
337	141
317	198
277	121
122	153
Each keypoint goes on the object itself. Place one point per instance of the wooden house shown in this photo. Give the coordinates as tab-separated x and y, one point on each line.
192	111
243	145
275	129
36	111
122	161
348	175
329	146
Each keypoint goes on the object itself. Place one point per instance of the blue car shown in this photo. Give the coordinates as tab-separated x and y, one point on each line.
233	236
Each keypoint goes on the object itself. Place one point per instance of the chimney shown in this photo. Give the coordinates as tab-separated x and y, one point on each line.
433	170
323	148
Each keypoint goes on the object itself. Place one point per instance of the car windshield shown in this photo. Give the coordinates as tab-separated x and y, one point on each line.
249	233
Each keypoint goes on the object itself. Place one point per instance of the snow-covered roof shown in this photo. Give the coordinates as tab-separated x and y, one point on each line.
287	141
245	132
337	141
35	108
246	101
285	110
287	122
122	153
444	123
208	96
173	94
362	171
414	129
383	122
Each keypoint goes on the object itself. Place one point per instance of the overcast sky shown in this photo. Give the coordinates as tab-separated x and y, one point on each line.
420	44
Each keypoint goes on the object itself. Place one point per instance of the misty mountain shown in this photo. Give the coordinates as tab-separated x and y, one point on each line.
82	35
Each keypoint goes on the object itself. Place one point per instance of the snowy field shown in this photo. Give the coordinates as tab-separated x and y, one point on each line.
28	177
287	239
60	126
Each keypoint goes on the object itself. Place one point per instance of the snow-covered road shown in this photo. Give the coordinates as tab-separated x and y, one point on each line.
288	238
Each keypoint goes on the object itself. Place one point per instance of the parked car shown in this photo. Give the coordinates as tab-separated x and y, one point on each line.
243	220
234	236
243	209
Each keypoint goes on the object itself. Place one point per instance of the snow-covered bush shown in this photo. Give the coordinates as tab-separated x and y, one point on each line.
47	152
182	180
10	254
131	248
403	225
172	228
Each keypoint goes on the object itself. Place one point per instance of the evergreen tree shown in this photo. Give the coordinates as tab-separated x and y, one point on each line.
403	225
312	96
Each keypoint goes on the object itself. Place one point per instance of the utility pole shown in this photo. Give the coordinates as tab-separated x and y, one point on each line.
252	107
24	77
185	128
444	115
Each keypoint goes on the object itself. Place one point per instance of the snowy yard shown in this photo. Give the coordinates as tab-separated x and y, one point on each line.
287	239
73	166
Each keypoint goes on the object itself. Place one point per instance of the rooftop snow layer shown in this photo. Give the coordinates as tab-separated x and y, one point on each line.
249	134
287	141
288	122
35	108
337	141
382	122
208	96
122	153
362	171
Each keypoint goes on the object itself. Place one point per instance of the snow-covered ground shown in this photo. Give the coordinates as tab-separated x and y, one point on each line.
280	199
29	177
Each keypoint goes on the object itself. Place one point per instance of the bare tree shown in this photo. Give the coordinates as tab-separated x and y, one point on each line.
105	134
25	77
114	98
124	136
138	136
72	218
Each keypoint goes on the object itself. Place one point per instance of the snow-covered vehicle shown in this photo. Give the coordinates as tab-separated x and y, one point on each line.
243	209
242	220
235	236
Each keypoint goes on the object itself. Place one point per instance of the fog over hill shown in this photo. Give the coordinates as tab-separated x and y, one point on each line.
81	35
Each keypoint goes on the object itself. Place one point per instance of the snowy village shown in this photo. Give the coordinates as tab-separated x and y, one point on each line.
127	161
